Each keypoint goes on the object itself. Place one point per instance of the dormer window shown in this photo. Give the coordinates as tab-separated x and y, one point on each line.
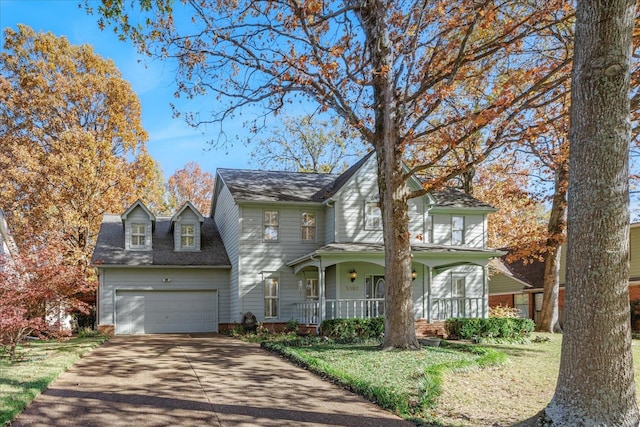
186	226
139	224
187	236
138	235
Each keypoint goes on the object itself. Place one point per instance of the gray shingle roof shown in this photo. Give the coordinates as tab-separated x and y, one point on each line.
271	186
453	198
110	246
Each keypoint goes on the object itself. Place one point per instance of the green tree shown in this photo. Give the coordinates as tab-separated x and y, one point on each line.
403	74
596	379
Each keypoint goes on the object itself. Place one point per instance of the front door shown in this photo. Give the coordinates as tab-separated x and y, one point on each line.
374	289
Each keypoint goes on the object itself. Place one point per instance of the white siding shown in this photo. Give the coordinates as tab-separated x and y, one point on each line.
112	279
474	231
227	219
256	256
330	225
350	206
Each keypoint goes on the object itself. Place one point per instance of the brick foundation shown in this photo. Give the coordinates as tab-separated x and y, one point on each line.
503	300
426	329
107	330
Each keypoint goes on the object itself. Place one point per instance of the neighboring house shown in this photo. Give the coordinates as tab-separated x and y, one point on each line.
8	248
521	284
296	246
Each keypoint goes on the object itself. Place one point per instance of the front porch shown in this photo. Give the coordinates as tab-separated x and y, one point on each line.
311	312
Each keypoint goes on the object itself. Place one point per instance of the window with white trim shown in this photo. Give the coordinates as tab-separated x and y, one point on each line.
429	234
457	230
138	235
271	227
270	284
373	216
187	236
308	226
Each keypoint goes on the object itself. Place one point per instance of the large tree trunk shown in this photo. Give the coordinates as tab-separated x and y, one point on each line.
550	315
399	320
596	383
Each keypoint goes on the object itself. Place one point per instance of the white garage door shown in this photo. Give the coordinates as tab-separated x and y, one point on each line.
155	312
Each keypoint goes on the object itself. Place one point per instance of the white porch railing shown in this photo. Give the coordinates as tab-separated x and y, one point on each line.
446	308
308	312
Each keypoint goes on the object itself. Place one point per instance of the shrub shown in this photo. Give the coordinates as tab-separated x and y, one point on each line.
291	326
88	333
503	311
350	330
493	327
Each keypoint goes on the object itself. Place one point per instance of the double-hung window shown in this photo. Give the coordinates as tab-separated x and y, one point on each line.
271	228
457	230
308	226
428	238
187	236
373	216
138	235
270	296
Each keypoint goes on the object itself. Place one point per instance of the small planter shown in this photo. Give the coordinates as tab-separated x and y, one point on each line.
431	341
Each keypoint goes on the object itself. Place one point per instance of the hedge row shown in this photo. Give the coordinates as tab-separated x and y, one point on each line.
353	329
493	327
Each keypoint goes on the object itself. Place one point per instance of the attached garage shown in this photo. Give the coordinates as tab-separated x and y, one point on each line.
166	311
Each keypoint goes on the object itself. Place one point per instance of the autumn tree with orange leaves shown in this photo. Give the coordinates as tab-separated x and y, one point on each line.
73	146
403	75
191	184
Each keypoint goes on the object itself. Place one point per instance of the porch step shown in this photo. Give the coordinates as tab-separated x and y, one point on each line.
433	329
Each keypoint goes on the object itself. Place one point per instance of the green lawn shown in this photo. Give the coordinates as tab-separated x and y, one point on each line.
457	385
404	382
36	366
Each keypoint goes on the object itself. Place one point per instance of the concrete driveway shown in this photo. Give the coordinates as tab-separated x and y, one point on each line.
197	380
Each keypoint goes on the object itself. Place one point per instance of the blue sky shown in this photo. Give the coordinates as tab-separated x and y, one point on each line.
171	142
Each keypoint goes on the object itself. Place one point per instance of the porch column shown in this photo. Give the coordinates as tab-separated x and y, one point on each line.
429	282
322	298
485	291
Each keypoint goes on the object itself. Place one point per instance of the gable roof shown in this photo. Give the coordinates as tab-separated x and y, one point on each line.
135	204
274	186
187	205
110	249
530	271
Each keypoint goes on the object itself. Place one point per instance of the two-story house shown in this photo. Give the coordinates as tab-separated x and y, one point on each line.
300	246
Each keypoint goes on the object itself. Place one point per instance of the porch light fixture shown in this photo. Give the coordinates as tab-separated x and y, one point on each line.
166	279
353	275
414	274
